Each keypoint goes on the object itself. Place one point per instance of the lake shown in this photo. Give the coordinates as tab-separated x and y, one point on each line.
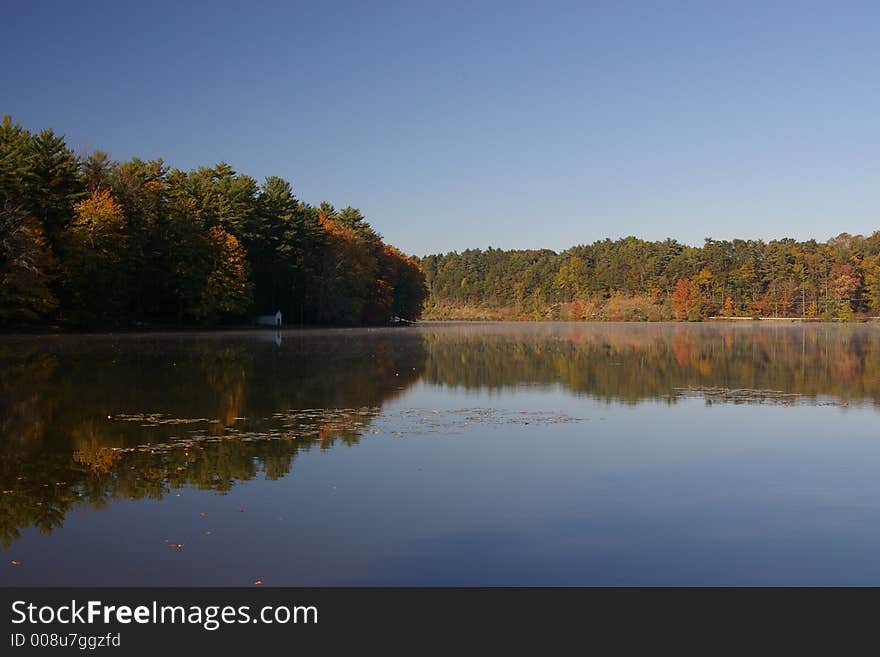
444	454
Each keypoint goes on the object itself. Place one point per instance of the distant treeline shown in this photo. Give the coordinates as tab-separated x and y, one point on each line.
633	279
88	242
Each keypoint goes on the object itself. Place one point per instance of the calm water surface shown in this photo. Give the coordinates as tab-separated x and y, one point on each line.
446	454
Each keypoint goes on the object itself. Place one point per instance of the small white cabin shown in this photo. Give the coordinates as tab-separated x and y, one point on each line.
268	320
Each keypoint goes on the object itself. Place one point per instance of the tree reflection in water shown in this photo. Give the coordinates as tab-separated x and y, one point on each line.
90	419
85	420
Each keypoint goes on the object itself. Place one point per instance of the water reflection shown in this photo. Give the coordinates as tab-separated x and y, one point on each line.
636	362
86	420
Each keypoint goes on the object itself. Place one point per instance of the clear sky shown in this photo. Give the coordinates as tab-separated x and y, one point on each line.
455	125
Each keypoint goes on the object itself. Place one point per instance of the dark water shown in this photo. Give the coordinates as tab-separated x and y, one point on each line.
444	454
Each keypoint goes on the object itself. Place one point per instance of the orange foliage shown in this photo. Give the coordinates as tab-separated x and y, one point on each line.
683	298
845	280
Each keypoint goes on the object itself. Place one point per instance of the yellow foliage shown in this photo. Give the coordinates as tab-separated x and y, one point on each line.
99	211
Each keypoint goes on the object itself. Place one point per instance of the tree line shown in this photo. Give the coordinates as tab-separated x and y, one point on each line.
634	279
89	242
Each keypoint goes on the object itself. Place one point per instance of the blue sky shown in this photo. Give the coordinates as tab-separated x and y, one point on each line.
455	125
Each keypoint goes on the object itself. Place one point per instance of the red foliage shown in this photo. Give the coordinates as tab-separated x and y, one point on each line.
683	297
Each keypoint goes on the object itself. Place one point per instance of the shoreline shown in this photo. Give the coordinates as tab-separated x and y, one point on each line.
188	329
715	319
272	331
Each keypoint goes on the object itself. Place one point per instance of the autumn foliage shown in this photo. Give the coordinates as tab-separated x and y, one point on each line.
363	280
686	299
634	279
88	242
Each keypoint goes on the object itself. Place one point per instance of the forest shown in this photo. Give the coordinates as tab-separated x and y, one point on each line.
631	279
87	242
